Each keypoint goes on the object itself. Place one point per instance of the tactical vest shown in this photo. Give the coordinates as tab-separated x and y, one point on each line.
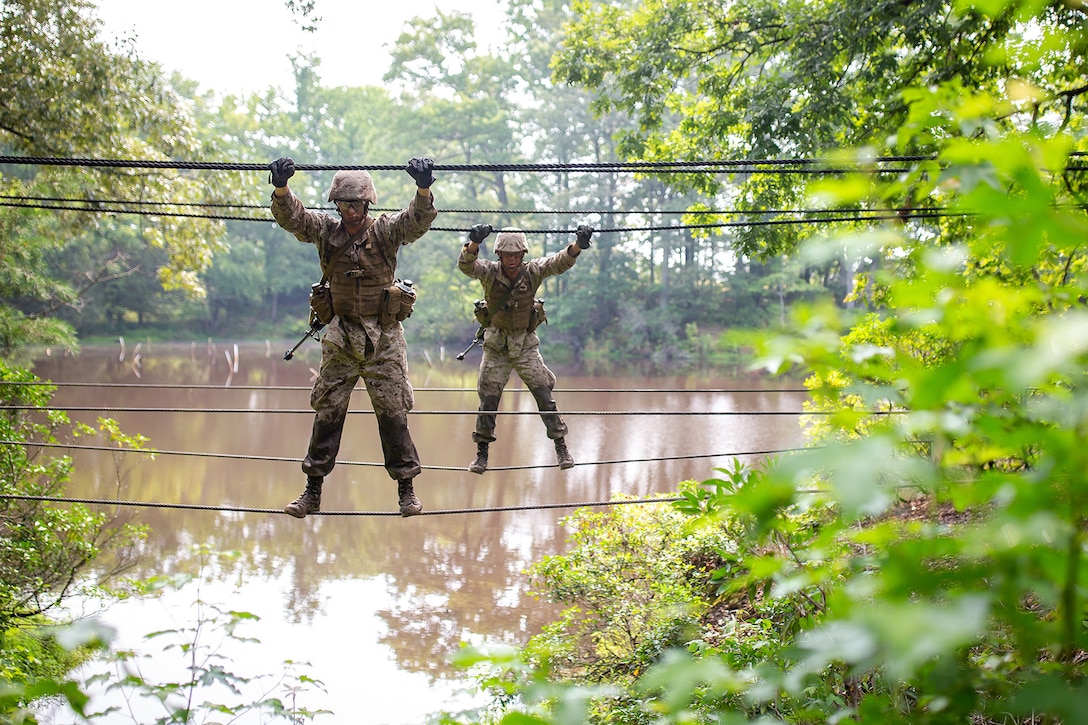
359	277
514	314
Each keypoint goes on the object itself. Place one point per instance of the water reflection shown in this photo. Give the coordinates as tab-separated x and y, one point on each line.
432	581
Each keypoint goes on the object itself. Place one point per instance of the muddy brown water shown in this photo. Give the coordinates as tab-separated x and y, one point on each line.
377	593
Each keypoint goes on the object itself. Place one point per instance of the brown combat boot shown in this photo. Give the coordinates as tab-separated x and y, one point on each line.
409	504
480	464
562	455
310	500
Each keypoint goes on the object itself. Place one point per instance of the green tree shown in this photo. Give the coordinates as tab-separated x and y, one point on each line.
799	79
456	103
641	269
115	105
631	585
46	551
236	283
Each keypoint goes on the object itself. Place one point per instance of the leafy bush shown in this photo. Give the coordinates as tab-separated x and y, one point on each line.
631	586
208	685
46	551
925	562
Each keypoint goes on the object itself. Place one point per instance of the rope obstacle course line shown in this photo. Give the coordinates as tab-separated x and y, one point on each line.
370	411
748	167
374	464
865	216
742	166
153	452
244	509
278	388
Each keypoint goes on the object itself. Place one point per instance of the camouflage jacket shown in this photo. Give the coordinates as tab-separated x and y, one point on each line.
360	274
511	301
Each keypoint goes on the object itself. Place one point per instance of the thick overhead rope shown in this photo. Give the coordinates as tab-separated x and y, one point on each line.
895	216
748	166
246	509
139	212
744	166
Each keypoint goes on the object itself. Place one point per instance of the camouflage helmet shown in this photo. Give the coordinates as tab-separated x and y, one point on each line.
511	240
352	186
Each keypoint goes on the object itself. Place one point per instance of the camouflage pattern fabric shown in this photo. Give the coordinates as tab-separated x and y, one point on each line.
384	370
507	350
357	347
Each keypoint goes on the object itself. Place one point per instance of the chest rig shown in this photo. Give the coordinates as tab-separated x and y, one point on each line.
511	307
359	275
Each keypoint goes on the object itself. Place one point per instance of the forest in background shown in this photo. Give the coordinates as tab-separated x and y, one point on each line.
924	561
161	254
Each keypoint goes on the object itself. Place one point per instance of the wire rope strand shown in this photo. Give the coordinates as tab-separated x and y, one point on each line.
280	388
705	166
288	459
247	509
896	216
309	411
94	204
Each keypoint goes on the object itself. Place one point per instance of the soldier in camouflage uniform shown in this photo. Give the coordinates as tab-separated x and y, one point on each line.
358	343
510	342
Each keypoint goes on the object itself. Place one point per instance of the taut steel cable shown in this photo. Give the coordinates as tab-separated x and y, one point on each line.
375	464
749	166
247	509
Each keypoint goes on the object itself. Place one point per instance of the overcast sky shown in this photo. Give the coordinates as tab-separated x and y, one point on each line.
242	46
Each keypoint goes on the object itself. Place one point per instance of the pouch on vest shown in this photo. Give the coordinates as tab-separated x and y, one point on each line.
397	302
480	311
537	317
321	302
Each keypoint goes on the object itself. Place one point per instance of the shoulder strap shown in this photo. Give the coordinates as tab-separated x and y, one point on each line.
327	267
510	290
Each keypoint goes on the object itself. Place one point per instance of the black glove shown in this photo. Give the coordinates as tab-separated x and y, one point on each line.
421	169
479	232
583	234
280	171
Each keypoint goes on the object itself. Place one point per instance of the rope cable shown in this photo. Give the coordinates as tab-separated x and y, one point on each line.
734	166
246	509
865	217
309	411
649	212
277	388
286	459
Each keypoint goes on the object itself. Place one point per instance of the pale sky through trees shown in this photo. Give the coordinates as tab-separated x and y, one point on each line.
243	46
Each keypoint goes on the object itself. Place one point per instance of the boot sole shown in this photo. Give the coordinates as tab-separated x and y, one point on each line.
300	513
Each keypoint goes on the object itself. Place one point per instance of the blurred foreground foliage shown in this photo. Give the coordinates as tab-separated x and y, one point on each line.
924	559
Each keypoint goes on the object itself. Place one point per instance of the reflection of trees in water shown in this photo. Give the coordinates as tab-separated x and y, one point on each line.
448	577
475	588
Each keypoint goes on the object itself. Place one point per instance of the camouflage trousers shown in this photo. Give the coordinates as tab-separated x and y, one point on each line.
506	352
384	370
